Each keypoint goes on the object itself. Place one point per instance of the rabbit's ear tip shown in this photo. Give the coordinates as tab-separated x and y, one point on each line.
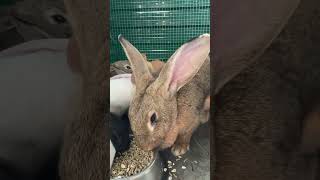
206	35
120	37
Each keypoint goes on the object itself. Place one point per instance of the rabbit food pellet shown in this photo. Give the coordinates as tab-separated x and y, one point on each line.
131	162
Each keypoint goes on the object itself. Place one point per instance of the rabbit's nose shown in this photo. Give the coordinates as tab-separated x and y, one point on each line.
149	147
143	145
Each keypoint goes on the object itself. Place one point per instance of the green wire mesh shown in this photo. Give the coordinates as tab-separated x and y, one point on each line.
156	27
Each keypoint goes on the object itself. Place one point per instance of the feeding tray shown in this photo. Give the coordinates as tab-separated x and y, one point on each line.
152	171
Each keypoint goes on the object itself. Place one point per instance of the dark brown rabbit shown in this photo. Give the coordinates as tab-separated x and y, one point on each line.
85	153
266	77
167	108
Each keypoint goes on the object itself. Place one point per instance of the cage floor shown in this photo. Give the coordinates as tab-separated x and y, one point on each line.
196	161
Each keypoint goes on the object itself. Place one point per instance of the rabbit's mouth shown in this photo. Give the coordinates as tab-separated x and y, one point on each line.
171	137
160	142
165	145
151	146
148	146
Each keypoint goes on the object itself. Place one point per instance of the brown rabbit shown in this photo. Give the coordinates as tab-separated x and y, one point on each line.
154	66
266	78
165	110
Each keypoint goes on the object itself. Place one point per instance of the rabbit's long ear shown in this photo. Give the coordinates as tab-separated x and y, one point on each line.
242	31
184	64
138	61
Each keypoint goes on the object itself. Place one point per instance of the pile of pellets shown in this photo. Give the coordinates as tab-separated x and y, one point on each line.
131	162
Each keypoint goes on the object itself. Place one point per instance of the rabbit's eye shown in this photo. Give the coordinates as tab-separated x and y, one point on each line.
127	67
58	18
55	16
153	119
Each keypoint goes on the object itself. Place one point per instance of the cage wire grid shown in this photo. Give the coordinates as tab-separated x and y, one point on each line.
156	27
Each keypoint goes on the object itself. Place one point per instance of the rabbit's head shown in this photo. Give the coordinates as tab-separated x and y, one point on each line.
153	109
48	15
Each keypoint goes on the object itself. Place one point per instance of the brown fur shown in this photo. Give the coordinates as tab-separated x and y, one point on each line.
85	153
73	56
259	114
124	67
178	116
121	67
154	66
311	136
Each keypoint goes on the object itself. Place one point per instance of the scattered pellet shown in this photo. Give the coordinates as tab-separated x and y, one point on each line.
183	167
169	178
173	170
169	162
131	162
165	169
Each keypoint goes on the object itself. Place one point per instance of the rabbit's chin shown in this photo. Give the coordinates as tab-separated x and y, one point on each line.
155	146
165	145
147	145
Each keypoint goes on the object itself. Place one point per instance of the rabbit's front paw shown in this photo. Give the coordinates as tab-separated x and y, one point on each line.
179	149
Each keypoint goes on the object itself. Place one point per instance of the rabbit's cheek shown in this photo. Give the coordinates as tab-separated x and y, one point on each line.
171	137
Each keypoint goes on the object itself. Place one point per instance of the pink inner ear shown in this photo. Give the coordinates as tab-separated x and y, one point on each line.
187	62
